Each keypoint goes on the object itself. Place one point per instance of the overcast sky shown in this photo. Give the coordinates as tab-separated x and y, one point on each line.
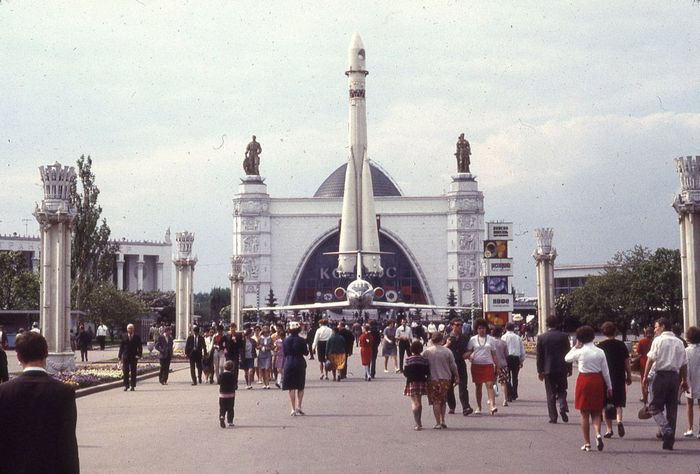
575	110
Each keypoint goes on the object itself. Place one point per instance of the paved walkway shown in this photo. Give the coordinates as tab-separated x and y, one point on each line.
350	426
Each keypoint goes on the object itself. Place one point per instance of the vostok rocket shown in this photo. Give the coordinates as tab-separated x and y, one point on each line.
358	228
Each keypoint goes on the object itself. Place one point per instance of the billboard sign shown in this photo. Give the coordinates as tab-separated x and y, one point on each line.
498	303
495	249
496	285
498	267
499	230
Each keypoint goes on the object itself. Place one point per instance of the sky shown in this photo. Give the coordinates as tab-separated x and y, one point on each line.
575	111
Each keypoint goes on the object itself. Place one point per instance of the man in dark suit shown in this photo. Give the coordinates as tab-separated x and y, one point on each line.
194	350
38	416
552	346
164	346
130	352
4	374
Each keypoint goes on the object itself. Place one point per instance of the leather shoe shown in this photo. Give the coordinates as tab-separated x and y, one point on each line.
668	444
132	389
564	417
554	422
126	388
467	411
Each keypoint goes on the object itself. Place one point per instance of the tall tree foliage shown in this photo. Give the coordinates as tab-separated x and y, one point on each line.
452	301
93	255
19	286
637	284
115	307
271	301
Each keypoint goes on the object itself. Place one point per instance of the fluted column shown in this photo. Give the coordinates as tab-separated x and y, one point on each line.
55	217
139	273
687	205
184	298
236	279
544	255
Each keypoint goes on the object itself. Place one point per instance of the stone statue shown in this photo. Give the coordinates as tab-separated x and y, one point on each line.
251	164
464	151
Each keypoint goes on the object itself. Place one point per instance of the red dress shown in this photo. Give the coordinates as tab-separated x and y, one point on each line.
366	342
643	349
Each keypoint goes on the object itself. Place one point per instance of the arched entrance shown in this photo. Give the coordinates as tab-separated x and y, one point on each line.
318	278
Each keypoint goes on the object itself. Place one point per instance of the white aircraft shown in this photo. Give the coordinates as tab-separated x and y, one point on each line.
359	236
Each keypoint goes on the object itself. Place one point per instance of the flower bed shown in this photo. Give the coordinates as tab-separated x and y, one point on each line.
90	376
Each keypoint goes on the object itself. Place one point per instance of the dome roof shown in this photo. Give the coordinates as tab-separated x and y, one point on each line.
334	185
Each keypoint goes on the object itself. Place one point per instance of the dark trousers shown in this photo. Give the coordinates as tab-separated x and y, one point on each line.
164	370
226	408
513	371
196	362
461	389
311	350
101	340
83	354
129	371
373	362
664	401
555	386
404	346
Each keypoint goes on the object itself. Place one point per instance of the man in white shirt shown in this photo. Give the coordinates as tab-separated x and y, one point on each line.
515	359
102	335
668	357
404	336
323	333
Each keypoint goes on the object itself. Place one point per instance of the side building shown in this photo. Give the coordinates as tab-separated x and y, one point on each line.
569	277
140	265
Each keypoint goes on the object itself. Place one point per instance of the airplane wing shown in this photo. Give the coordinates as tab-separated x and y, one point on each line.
302	307
382	304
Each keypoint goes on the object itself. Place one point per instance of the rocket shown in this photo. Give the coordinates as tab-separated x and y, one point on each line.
358	230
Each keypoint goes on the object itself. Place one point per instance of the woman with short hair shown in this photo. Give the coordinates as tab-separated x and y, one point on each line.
482	354
417	373
591	385
294	377
618	358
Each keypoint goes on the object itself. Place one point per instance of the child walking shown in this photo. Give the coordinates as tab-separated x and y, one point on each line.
228	383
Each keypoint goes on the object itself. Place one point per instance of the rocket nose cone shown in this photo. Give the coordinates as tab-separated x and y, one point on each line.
356	54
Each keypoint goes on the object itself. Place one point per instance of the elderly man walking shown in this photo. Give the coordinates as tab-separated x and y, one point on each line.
130	352
668	358
443	371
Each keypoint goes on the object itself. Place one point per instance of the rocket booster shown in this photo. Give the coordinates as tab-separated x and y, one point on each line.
358	230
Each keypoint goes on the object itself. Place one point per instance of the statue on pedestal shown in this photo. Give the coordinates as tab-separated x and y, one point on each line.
464	151
251	164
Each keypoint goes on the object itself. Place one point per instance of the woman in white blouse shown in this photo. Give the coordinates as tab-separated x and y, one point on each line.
592	385
481	351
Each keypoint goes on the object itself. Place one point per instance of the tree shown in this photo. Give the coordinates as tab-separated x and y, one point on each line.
637	284
93	255
112	306
161	302
218	298
19	286
452	302
271	301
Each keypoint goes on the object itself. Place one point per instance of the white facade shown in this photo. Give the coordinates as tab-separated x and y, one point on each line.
140	265
441	235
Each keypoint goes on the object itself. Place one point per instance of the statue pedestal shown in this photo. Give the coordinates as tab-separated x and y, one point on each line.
179	345
463	182
58	362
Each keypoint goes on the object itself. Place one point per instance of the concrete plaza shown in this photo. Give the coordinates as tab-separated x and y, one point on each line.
351	426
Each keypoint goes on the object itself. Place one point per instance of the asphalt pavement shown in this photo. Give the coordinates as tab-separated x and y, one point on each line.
351	425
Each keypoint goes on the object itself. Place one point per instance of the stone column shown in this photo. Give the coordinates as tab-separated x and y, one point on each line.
139	273
236	278
544	256
465	236
184	272
120	271
158	284
687	205
55	217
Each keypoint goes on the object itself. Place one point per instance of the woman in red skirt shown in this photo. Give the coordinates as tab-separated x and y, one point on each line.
366	341
592	385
